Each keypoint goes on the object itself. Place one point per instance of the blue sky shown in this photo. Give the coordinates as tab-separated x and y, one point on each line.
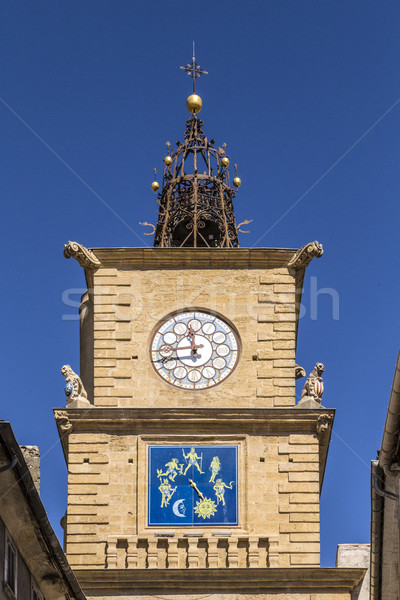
307	96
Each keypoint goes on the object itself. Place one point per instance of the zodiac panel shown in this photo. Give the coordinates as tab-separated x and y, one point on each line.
193	485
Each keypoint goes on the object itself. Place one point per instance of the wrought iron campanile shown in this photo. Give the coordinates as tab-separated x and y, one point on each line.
195	202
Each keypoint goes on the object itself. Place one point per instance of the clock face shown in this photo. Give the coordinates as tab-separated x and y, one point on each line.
194	350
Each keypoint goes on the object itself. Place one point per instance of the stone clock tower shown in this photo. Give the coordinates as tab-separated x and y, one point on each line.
191	470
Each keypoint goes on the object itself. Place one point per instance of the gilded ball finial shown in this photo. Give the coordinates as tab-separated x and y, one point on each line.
155	185
225	161
237	182
194	104
168	160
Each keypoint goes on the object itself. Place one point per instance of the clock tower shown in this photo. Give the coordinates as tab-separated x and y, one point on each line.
191	470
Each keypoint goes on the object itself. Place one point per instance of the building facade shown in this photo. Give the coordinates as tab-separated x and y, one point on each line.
32	563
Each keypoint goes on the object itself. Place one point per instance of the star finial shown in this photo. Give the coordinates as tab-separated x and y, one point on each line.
194	70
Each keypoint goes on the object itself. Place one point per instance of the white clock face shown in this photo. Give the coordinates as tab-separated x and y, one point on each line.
194	350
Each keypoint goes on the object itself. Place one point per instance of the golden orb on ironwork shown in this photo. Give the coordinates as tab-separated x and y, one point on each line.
194	104
168	161
155	186
237	182
225	161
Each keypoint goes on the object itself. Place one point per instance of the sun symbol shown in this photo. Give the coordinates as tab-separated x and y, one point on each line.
205	508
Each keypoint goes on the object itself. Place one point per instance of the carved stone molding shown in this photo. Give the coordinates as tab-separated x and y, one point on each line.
323	423
85	257
63	421
299	372
302	258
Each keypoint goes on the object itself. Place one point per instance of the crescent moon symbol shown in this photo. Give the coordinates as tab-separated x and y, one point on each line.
175	508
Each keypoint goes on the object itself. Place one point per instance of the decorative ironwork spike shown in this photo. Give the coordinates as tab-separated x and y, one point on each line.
224	147
243	223
235	165
145	224
155	173
168	147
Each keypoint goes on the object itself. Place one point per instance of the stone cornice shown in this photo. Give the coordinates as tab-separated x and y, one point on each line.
178	423
197	258
304	579
172	420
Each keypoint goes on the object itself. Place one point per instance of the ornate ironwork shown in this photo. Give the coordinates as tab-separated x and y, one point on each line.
196	199
195	204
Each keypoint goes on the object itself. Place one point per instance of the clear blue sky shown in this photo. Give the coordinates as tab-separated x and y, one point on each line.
303	92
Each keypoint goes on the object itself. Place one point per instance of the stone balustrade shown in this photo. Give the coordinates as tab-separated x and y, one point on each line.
191	551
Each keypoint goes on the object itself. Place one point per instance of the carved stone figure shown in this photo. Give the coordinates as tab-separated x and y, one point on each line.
63	421
74	389
323	423
314	386
299	372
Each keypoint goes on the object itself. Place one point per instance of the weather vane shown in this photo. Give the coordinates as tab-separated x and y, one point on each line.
194	70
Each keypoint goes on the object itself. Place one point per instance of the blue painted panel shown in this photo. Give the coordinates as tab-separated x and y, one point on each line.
196	485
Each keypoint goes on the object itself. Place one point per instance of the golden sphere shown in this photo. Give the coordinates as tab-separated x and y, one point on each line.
168	161
225	161
237	182
155	186
194	104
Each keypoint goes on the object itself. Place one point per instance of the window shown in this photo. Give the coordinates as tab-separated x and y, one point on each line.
10	565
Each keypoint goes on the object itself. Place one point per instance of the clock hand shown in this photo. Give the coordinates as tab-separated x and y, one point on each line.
166	347
191	334
196	489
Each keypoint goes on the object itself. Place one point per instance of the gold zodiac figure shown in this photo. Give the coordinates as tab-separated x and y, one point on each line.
173	469
192	458
215	467
219	488
166	492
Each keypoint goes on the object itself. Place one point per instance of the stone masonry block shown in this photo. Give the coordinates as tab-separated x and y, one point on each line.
284	344
305	560
277	276
299	449
104	325
282	401
307	487
304	476
304	458
299	527
89	438
285	308
304	537
304	548
88	478
303	498
304	517
285	507
265	391
299	467
285	326
105	272
285	383
303	439
283	288
79	499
